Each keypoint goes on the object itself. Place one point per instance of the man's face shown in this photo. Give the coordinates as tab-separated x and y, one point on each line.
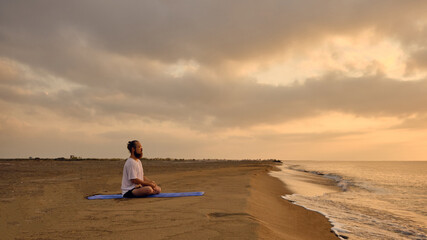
138	150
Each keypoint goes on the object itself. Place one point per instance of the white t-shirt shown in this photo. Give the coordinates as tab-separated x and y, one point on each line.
131	170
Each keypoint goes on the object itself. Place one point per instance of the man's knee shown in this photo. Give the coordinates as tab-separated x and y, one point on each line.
148	190
143	191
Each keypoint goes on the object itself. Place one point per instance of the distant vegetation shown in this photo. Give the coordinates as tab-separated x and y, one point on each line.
76	158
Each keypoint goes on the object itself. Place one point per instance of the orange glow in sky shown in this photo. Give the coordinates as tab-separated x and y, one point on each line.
325	82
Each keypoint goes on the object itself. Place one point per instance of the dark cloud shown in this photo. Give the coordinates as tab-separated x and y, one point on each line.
69	66
117	52
42	32
418	121
417	61
210	104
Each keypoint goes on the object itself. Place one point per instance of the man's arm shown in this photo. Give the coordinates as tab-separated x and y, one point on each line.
149	180
144	182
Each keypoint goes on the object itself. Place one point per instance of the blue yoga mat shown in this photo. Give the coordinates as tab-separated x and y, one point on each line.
160	195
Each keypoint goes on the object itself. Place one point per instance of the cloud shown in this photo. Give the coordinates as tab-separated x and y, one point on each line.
184	63
308	137
417	61
418	121
209	32
217	103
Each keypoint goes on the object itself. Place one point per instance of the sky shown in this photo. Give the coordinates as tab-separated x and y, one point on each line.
241	79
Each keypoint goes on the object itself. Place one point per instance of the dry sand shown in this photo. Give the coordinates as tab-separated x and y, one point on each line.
45	199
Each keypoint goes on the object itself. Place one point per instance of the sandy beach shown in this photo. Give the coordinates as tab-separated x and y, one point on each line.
46	199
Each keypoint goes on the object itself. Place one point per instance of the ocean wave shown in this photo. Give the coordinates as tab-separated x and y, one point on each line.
342	183
376	201
337	228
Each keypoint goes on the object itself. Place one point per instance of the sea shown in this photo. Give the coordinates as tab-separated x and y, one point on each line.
362	199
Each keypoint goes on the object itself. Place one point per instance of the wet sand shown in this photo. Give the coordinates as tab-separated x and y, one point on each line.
46	199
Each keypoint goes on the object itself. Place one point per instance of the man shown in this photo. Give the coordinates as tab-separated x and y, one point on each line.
134	183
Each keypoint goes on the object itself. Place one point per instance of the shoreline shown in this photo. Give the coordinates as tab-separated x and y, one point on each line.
47	199
280	218
368	203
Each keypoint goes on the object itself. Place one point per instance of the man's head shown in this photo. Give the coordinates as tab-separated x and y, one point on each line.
135	149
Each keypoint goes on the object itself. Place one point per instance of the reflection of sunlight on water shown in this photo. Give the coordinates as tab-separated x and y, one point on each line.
374	207
305	184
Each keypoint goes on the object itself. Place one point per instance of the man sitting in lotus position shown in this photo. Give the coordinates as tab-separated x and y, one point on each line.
134	183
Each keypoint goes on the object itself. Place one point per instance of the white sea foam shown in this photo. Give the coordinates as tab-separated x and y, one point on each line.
375	200
337	228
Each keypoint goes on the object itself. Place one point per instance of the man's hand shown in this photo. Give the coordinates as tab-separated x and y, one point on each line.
152	183
147	182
